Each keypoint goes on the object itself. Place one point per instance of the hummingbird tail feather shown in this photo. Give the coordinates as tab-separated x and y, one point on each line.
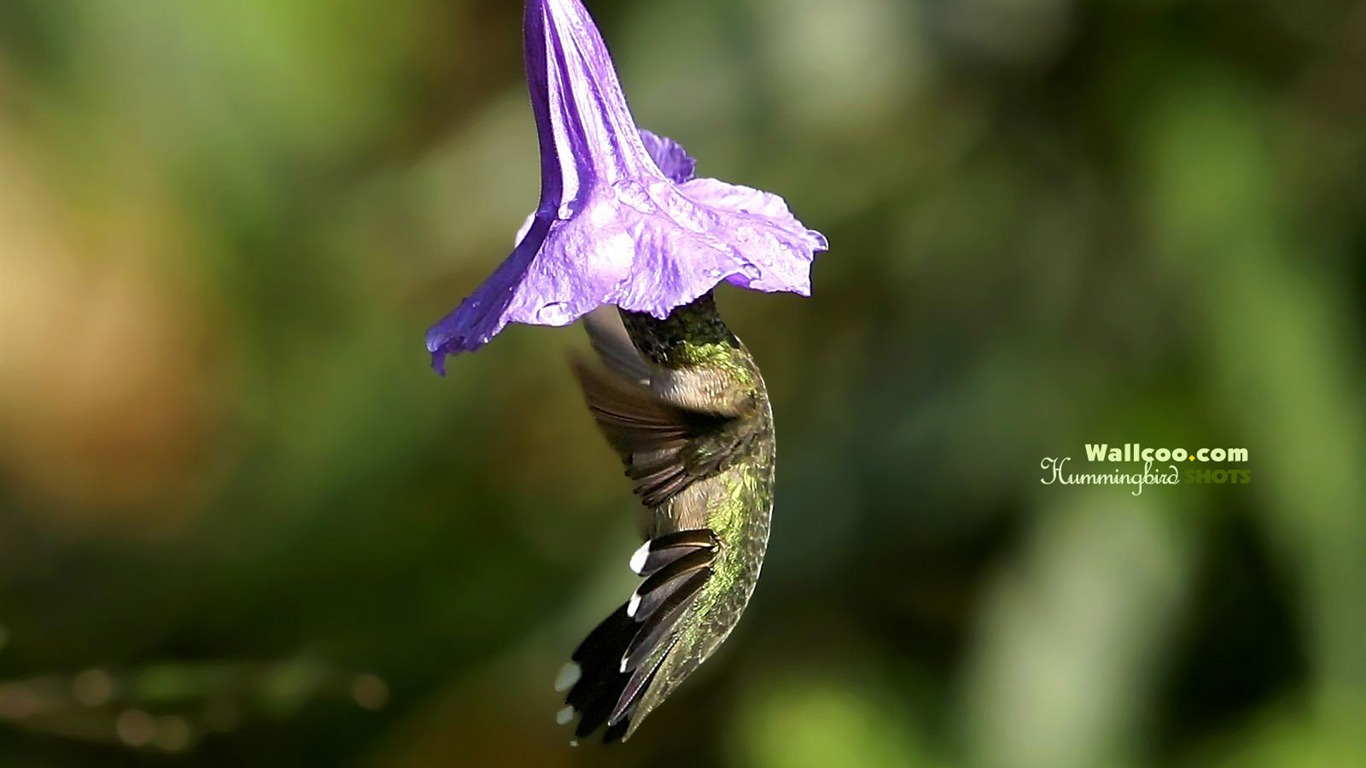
615	665
660	551
596	679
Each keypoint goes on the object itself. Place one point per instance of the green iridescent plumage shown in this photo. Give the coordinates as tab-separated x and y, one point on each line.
684	404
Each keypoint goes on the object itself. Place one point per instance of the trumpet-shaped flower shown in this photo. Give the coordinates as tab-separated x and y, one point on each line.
621	219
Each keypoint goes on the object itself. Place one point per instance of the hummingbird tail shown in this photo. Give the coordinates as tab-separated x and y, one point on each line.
615	665
594	678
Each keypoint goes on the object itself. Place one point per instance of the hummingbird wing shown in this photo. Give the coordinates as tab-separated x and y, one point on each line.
610	340
665	447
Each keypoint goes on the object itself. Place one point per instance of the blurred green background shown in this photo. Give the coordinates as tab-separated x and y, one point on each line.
243	523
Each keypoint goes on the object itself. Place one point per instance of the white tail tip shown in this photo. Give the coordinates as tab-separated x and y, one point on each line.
638	559
569	674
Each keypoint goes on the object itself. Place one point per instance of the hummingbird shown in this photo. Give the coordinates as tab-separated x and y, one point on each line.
682	401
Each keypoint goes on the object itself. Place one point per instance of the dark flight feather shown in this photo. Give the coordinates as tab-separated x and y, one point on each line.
617	660
663	583
662	550
666	448
610	340
636	687
600	680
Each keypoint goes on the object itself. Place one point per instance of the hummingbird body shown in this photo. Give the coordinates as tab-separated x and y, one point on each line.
684	404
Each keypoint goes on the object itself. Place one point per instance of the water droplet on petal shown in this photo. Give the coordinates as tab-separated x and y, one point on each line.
554	313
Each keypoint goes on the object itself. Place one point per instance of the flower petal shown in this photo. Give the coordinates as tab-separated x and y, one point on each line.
645	248
586	132
673	160
525	228
485	312
776	246
621	220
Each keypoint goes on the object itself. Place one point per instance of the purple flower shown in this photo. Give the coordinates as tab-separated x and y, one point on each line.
621	219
